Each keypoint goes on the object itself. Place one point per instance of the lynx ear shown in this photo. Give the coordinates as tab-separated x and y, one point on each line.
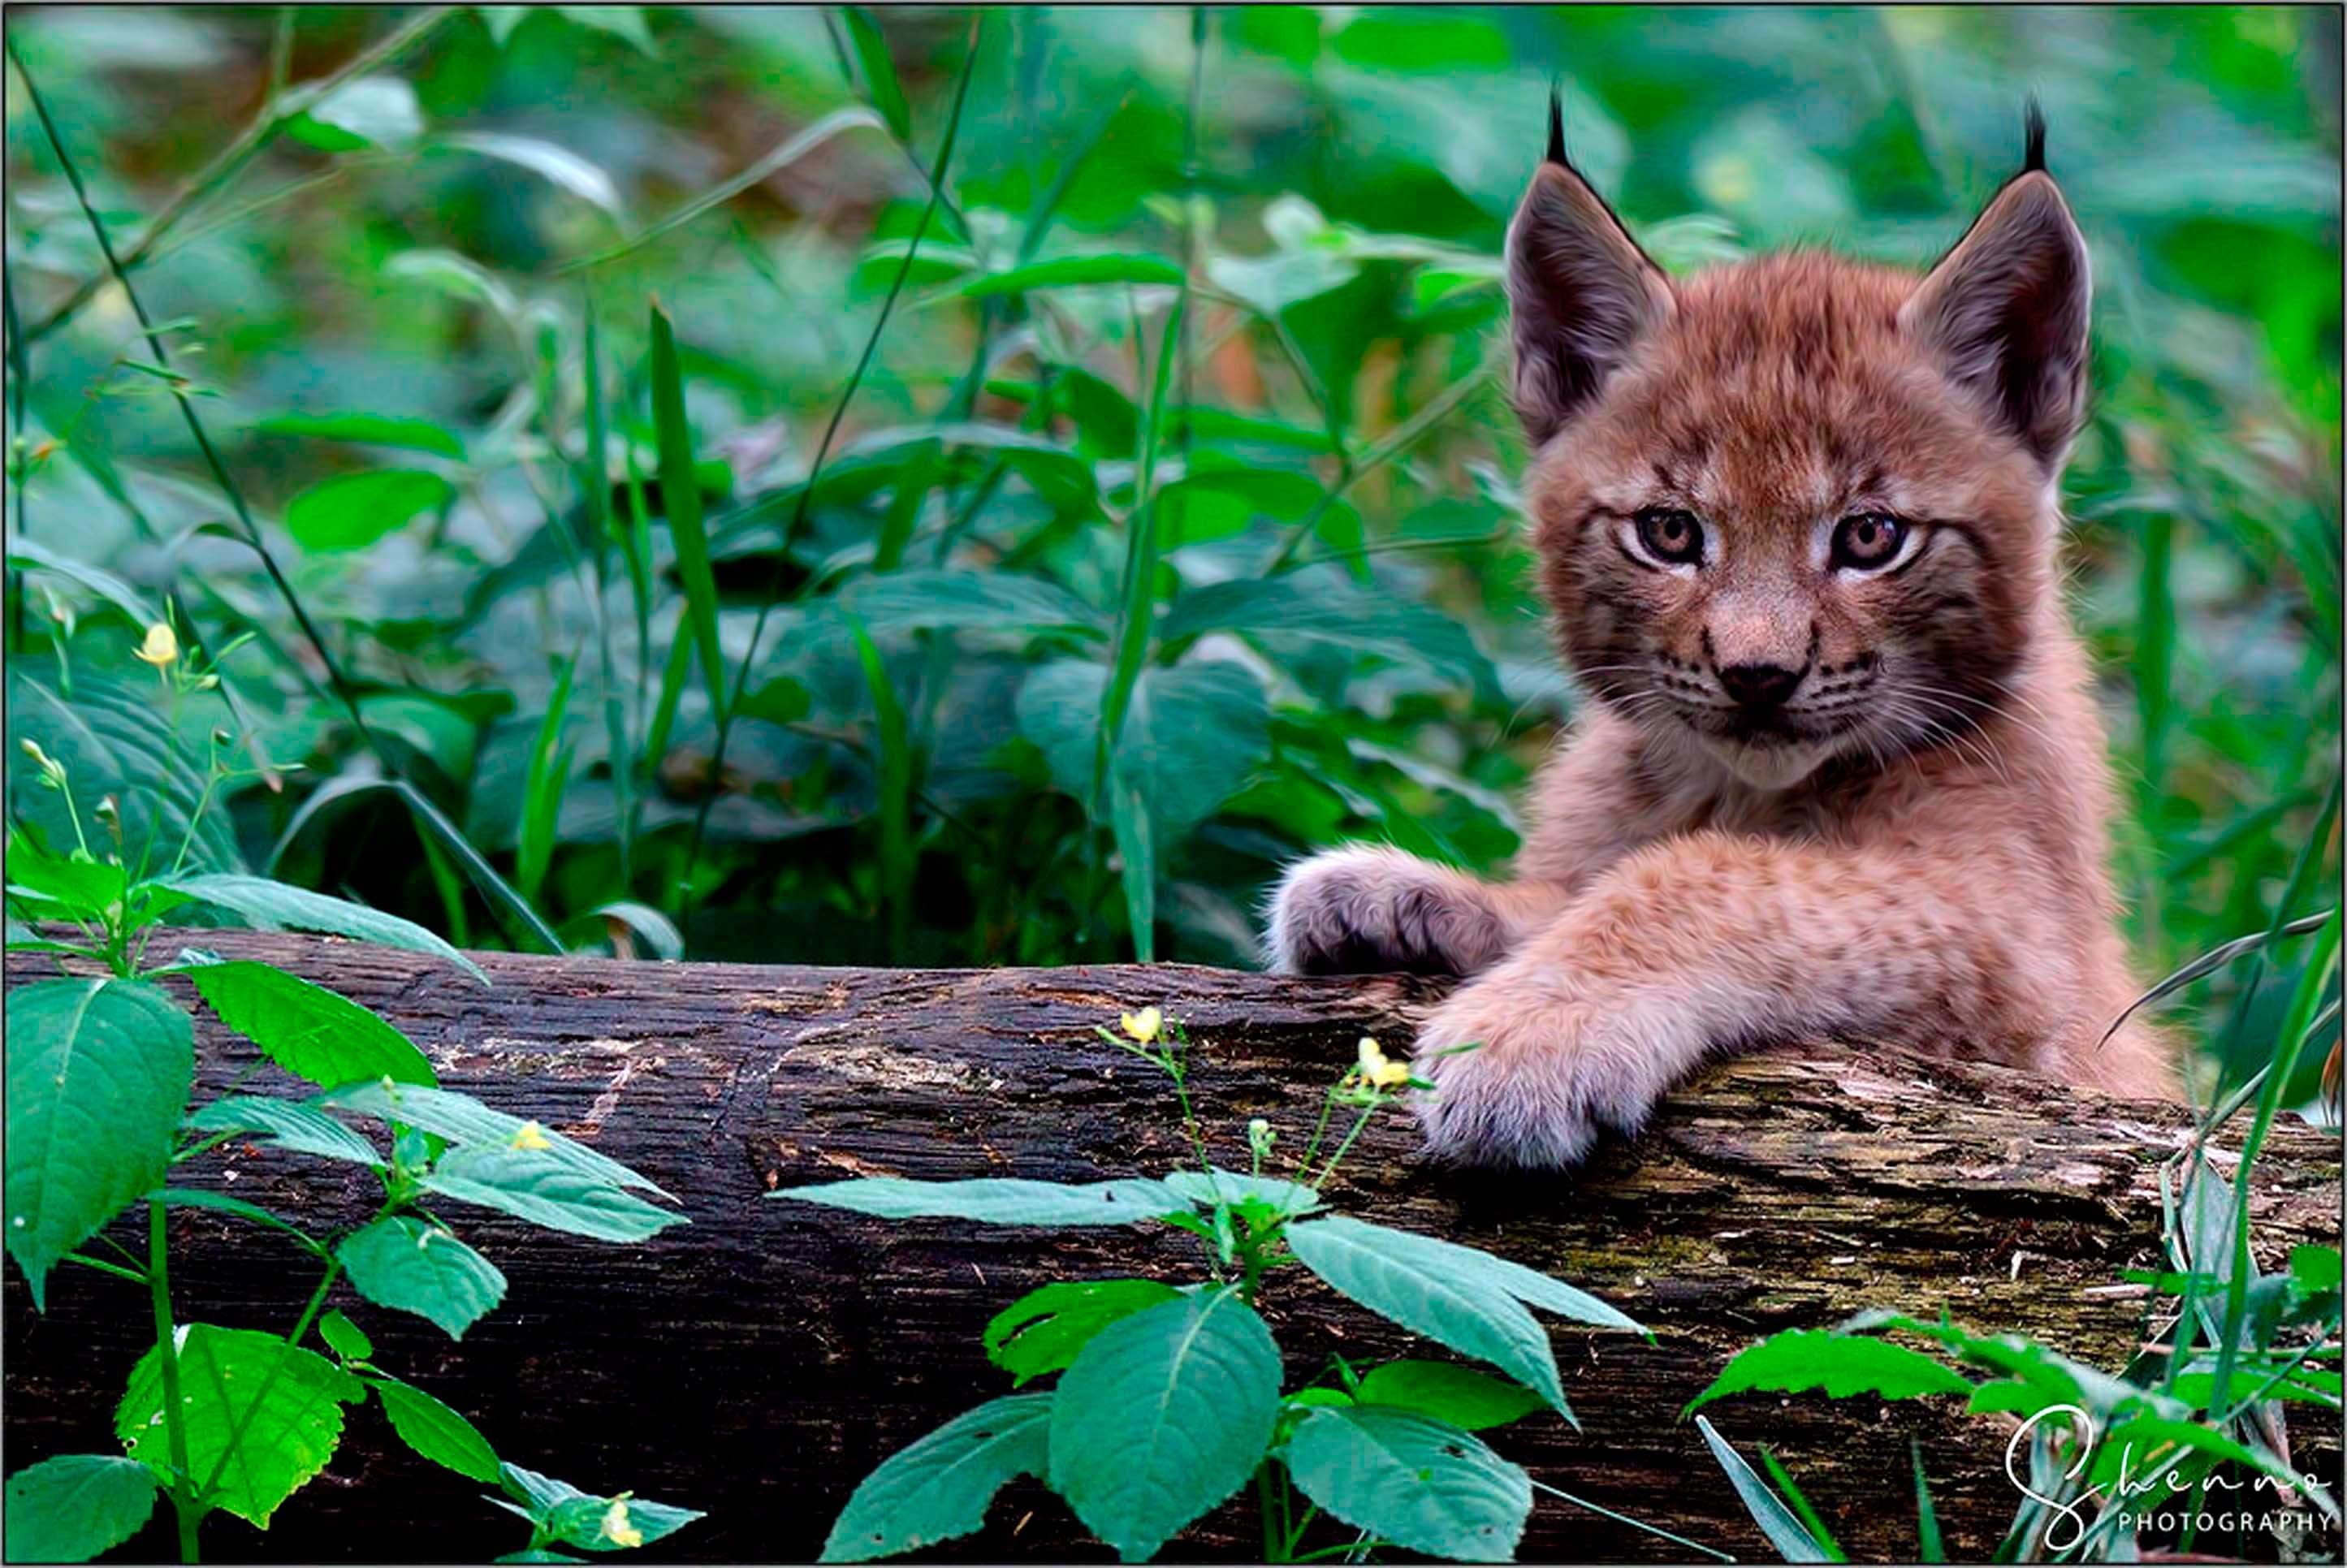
2005	312
1580	291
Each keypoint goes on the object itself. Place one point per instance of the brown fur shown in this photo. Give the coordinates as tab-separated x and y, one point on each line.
1911	848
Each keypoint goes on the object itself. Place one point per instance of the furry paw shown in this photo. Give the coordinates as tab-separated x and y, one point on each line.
1553	1066
1367	911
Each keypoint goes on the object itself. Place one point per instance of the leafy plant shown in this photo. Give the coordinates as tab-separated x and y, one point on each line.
1169	1399
101	1071
2228	1349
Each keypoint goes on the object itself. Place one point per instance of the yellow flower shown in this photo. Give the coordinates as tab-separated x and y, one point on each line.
161	648
616	1529
1378	1069
529	1135
1144	1025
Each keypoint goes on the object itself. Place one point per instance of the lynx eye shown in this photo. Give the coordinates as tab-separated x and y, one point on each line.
1670	535
1868	541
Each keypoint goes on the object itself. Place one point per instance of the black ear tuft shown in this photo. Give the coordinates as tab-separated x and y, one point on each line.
1556	127
2032	121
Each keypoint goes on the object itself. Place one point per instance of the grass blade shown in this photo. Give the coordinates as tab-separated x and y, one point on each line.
1808	1515
1929	1548
543	787
681	500
893	768
1785	1532
887	94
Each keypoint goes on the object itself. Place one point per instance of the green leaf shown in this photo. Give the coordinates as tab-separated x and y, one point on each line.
370	111
73	1507
1220	1186
288	1401
274	904
461	1119
1193	735
412	1267
347	1340
1322	605
1801	1361
85	887
1164	1416
1460	1296
531	1184
113	739
887	94
402	431
1785	1532
354	510
2315	1269
2137	1446
997	1201
681	498
901	601
98	1074
1459	1395
289	1124
1407	1477
1042	1330
625	21
543	787
310	1032
579	1518
31	554
940	1487
1929	1547
558	166
1063	271
434	1430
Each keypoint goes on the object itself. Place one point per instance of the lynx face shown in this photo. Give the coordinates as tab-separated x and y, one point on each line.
1798	507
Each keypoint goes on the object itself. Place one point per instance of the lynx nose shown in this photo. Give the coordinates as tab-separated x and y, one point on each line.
1759	685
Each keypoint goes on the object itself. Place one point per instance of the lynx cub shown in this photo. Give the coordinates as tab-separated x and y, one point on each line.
1842	775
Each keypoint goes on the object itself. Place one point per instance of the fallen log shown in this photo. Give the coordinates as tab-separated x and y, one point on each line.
760	1360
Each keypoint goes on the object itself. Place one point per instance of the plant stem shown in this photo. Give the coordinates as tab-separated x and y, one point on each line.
1360	1122
279	107
166	1340
1275	1546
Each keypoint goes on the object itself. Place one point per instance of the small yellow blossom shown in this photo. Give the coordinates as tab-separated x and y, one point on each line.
1144	1025
617	1527
1378	1069
161	648
529	1135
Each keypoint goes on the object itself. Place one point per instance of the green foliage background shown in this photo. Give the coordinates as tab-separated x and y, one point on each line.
1332	631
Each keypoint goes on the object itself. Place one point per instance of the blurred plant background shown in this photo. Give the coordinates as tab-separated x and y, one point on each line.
915	487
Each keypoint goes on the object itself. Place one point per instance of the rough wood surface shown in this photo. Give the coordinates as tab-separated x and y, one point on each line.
759	1360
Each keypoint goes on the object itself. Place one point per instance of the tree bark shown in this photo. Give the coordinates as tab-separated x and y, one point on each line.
760	1360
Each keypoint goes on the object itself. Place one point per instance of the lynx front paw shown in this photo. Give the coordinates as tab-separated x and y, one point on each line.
1365	911
1550	1068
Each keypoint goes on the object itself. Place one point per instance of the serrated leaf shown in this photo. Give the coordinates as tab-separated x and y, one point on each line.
409	1266
1407	1477
88	888
354	510
1220	1186
1458	1297
1042	1330
1461	1395
289	1402
939	1487
1801	1361
436	1431
276	904
2137	1446
997	1201
289	1124
1164	1416
349	1341
461	1119
531	1184
99	1075
310	1032
73	1507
